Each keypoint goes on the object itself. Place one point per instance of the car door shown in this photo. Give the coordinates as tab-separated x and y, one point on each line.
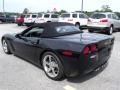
115	20
83	19
54	18
26	45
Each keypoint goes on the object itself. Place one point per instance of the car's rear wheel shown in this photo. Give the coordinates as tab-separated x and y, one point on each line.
5	47
52	66
19	24
77	25
110	31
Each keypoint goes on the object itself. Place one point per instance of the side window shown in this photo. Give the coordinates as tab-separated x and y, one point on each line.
109	16
34	32
46	16
81	16
34	16
54	16
74	15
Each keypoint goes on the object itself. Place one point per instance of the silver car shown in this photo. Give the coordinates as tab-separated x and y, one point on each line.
106	22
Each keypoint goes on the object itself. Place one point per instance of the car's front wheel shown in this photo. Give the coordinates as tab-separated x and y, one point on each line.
52	66
5	47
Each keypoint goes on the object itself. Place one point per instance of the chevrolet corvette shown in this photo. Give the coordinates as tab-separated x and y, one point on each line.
60	49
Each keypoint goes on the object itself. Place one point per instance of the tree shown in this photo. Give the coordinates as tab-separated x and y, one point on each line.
106	8
26	11
61	11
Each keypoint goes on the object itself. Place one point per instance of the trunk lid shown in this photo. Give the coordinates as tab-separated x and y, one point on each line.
85	38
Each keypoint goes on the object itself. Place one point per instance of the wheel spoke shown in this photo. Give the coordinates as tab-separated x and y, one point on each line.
49	70
55	65
47	63
50	58
53	72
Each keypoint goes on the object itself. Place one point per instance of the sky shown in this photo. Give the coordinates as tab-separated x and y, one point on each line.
68	5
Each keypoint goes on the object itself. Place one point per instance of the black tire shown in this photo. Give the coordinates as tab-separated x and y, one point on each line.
77	25
110	30
7	51
48	21
61	70
90	30
19	24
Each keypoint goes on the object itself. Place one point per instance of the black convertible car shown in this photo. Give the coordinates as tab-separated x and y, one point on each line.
60	49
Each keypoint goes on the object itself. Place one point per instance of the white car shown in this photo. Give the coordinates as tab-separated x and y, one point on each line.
48	17
30	19
78	19
106	22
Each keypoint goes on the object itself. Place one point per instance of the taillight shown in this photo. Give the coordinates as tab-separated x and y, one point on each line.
104	20
67	53
93	48
86	50
70	19
90	49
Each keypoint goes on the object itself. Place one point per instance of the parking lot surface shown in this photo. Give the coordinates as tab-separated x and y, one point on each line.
17	74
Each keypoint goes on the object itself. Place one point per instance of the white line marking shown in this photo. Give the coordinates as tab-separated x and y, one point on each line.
67	87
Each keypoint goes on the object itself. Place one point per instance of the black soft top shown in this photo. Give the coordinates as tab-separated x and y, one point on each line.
50	30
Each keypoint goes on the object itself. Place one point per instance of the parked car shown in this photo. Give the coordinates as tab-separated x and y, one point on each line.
30	19
20	20
60	48
49	17
105	22
7	18
78	19
2	18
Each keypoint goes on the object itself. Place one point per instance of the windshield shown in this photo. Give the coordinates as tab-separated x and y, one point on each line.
65	15
98	16
67	29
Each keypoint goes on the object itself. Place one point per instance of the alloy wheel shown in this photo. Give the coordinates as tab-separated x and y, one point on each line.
50	66
5	46
111	30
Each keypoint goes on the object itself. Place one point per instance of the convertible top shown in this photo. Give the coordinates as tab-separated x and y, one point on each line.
50	30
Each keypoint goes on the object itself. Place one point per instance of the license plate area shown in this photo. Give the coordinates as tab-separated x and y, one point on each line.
101	67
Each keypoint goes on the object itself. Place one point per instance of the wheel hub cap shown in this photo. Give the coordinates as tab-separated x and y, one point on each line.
50	66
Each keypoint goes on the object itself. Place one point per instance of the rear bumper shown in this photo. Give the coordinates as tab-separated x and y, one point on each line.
98	28
82	64
75	68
